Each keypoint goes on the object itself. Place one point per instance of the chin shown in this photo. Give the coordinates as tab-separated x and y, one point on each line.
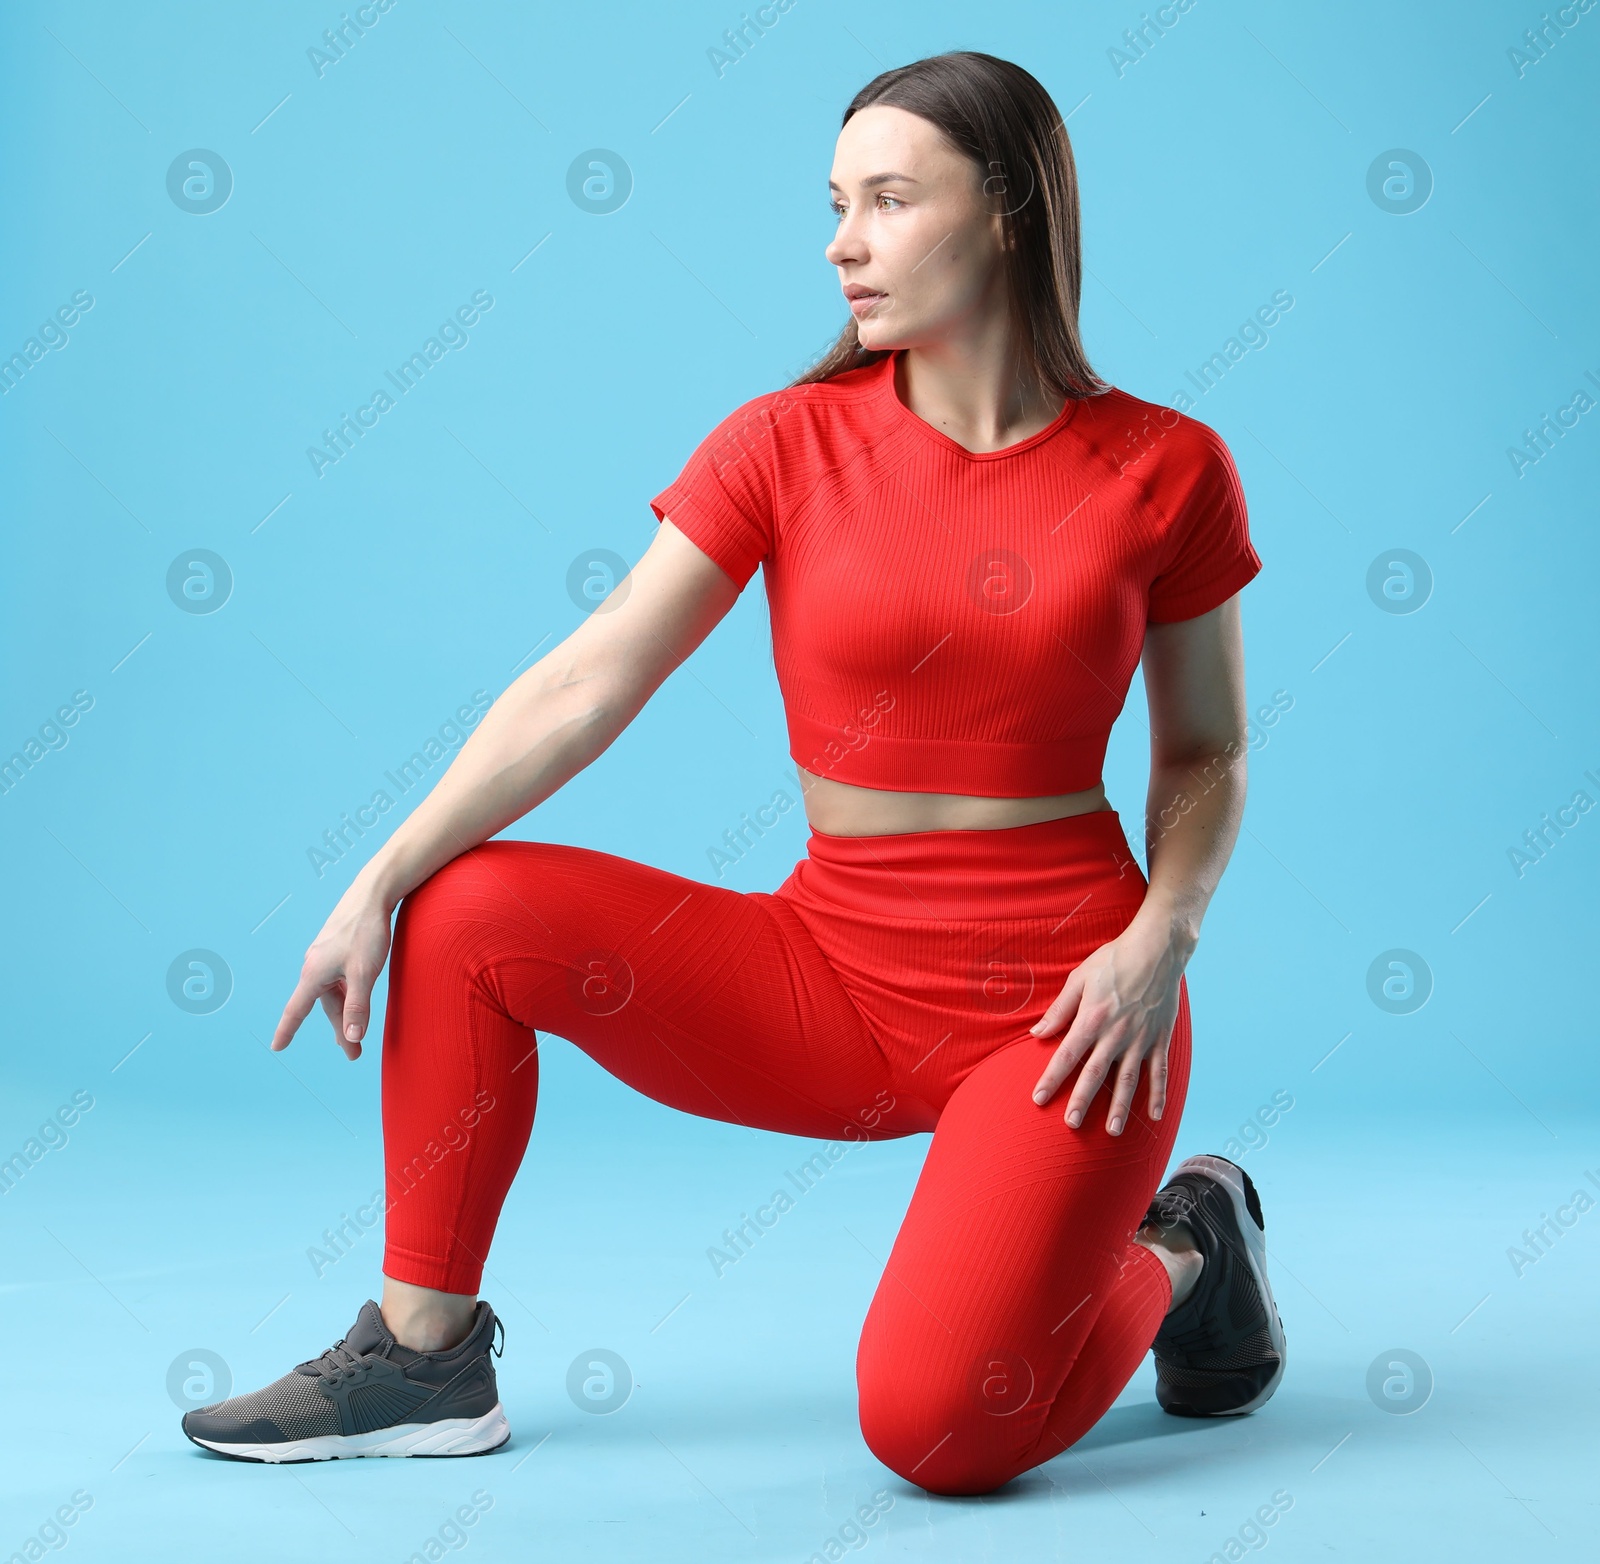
878	336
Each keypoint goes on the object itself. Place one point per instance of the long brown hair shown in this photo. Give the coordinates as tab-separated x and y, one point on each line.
1002	118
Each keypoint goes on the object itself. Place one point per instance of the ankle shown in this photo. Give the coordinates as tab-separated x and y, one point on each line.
1184	1271
1178	1254
425	1319
425	1331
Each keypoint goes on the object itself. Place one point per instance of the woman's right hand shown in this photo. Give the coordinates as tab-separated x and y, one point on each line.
341	966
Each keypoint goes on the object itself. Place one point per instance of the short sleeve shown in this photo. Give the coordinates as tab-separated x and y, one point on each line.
724	499
1209	554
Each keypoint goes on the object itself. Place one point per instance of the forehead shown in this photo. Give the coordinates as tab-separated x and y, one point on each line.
882	139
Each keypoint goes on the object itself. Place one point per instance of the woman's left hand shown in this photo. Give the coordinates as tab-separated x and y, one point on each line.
1121	1002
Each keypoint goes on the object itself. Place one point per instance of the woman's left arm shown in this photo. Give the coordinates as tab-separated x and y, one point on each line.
1120	1002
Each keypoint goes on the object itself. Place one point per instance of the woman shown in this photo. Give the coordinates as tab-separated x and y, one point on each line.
969	542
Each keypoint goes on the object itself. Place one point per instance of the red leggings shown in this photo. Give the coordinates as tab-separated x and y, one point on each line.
885	989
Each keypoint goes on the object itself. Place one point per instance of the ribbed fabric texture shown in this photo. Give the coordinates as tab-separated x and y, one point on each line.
953	621
885	989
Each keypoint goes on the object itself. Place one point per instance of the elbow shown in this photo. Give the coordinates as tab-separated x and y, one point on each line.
585	696
562	710
1210	756
601	713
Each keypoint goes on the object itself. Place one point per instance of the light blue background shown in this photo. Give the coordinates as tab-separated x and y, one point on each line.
432	561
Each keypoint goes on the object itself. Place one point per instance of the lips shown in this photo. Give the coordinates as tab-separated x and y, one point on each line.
861	299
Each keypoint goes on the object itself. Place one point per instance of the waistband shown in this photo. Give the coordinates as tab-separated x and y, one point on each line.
1048	869
984	766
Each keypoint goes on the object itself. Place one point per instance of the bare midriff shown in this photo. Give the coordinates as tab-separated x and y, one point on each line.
843	809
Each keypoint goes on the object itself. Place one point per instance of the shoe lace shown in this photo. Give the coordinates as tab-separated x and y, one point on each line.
335	1365
1171	1205
339	1363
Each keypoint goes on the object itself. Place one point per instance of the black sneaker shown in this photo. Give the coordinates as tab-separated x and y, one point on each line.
1221	1352
368	1395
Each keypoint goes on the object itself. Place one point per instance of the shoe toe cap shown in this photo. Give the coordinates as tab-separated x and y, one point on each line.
216	1424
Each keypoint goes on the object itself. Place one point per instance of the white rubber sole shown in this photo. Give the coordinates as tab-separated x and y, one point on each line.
1255	1244
448	1436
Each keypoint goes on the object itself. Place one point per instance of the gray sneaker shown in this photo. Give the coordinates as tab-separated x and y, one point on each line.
368	1395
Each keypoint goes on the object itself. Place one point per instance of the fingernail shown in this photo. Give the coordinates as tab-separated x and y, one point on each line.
1074	1119
1115	1126
1038	1096
353	1032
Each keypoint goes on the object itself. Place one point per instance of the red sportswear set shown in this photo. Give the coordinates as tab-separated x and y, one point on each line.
942	621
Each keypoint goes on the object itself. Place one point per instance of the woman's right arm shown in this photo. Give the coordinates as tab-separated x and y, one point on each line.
548	725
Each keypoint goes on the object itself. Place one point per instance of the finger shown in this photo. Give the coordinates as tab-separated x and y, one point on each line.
1158	1079
357	1005
1069	1052
333	1008
1095	1069
1063	1007
1122	1092
298	1008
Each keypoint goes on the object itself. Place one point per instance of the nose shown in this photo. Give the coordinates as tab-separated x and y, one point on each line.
846	245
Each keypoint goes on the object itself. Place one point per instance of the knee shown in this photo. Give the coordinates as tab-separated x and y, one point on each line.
477	886
466	917
935	1436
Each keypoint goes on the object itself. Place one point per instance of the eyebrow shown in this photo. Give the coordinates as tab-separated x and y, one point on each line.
879	179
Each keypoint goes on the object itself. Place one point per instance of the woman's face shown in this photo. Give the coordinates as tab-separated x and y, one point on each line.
916	230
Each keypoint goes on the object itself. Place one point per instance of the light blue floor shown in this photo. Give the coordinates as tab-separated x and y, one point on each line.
739	1440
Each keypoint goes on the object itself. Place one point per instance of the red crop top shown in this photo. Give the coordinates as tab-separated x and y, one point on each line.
952	621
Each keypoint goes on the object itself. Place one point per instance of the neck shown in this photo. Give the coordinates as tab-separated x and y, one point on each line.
982	395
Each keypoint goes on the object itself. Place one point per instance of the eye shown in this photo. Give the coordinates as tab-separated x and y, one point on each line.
896	199
836	209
